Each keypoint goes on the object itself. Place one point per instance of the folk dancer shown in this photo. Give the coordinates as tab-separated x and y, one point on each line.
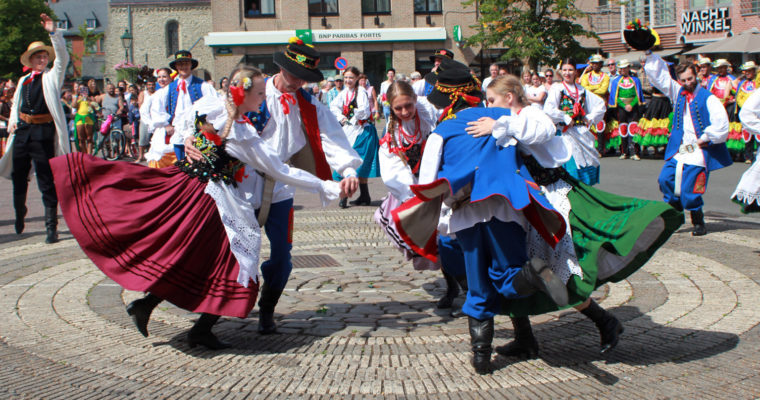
37	127
598	82
697	140
423	87
704	71
747	193
626	99
303	131
721	83
740	142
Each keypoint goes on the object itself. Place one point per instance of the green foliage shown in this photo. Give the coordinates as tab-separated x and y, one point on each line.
19	26
89	40
538	31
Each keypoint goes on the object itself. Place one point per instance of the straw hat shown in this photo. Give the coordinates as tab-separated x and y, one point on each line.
623	63
36	47
721	63
748	65
704	60
596	58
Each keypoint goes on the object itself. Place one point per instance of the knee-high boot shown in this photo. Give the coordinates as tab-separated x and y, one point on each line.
481	337
200	333
19	204
525	344
140	311
698	220
51	224
363	199
452	291
609	326
268	299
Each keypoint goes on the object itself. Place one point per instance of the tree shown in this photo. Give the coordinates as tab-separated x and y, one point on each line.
533	30
89	39
19	26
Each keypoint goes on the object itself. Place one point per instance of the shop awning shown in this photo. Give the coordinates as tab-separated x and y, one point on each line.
634	56
746	42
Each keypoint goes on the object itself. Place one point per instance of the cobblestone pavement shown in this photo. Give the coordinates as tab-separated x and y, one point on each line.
357	321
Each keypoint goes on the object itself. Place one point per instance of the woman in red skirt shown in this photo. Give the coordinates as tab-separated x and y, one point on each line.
187	234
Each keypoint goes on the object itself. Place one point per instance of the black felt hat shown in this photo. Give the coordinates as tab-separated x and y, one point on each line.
456	79
446	63
638	36
183	55
300	60
442	54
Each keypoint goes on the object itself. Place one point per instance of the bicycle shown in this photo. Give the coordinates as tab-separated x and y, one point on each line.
113	143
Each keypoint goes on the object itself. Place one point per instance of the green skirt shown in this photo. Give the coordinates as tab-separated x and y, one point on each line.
613	235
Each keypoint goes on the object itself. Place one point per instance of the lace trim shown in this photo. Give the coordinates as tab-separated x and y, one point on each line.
242	228
747	197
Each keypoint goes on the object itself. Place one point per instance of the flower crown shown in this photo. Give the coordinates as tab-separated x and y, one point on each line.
635	24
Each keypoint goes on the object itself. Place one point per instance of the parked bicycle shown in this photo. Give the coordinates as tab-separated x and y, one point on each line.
113	142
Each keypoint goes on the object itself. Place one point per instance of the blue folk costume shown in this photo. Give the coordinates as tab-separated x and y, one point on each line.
195	92
693	178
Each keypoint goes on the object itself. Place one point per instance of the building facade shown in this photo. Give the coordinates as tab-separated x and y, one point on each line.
159	29
682	24
373	35
73	16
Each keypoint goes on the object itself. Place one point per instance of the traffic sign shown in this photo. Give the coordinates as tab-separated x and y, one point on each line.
341	63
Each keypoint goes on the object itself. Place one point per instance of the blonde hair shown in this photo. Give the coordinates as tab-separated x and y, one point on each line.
504	84
396	89
241	76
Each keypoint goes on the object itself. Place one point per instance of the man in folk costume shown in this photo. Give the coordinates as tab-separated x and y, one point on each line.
171	103
38	127
704	71
302	131
423	87
493	199
739	138
721	83
626	99
697	140
598	83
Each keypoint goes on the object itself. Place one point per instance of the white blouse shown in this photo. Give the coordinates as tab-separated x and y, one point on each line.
352	128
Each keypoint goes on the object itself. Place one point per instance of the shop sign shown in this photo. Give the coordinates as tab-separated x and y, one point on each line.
261	38
710	20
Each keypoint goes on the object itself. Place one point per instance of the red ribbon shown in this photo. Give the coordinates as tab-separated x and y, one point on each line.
31	78
689	95
182	86
213	137
238	94
284	100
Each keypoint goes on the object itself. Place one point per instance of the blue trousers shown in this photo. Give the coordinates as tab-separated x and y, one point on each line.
693	185
279	228
179	151
494	252
451	256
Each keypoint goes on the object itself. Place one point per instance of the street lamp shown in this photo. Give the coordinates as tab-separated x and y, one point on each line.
126	42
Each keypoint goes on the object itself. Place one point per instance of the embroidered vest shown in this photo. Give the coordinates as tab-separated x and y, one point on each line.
194	90
216	165
615	91
716	155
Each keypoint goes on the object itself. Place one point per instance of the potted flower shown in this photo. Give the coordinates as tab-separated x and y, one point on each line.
125	70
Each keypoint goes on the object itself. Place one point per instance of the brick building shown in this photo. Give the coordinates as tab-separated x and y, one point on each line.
159	28
70	15
373	35
682	24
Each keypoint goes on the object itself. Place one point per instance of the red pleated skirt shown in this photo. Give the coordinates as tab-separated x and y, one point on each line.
152	230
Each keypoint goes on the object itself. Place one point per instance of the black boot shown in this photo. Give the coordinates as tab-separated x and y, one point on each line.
609	326
481	336
698	220
140	311
51	224
200	333
343	202
457	312
452	291
524	345
268	298
363	199
536	275
19	204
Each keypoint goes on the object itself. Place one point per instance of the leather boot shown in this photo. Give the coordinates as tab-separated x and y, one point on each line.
698	220
536	275
363	199
609	326
343	202
140	311
481	336
524	345
457	312
19	204
51	224
452	291
268	299
200	333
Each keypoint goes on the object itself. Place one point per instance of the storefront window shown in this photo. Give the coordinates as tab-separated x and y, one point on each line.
258	8
697	4
637	9
754	6
323	7
376	6
606	19
723	3
427	6
664	12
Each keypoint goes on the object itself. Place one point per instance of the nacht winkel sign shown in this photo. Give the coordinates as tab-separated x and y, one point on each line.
705	21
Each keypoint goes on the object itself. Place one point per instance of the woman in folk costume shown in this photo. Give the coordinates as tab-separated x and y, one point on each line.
740	143
492	200
747	193
352	109
188	233
603	255
410	121
627	100
573	109
37	127
654	125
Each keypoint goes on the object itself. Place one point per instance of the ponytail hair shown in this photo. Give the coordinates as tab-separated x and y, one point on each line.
242	76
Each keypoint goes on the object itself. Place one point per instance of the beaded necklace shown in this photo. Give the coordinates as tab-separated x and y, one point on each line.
411	139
